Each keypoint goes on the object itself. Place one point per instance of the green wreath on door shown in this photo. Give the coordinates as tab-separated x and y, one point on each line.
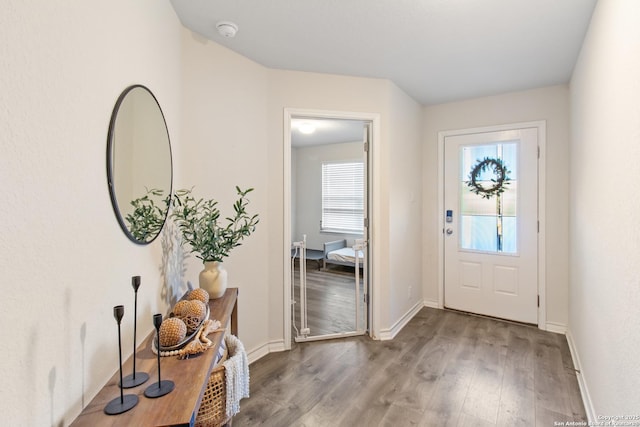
498	183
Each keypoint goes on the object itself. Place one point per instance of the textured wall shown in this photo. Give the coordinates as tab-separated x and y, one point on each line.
550	104
405	207
340	93
64	260
224	145
605	209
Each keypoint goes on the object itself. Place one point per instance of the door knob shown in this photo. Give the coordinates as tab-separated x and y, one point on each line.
449	231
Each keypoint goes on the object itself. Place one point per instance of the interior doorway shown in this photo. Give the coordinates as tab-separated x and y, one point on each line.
328	292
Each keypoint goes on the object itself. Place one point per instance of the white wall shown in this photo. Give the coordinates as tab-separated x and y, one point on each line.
405	211
224	145
550	104
604	303
312	91
64	260
306	201
340	93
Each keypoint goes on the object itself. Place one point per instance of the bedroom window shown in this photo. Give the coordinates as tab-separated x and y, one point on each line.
343	197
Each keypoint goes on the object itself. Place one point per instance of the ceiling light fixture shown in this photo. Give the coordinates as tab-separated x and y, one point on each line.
227	29
306	128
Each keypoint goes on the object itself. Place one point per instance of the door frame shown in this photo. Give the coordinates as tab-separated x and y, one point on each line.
373	207
541	126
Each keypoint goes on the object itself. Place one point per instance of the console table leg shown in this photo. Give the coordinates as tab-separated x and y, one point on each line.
234	319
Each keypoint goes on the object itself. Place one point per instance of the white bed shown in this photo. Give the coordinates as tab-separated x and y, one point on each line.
337	252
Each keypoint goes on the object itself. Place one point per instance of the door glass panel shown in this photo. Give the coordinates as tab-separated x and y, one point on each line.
489	224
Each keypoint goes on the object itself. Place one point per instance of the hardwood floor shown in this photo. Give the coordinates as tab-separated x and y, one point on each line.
330	300
443	369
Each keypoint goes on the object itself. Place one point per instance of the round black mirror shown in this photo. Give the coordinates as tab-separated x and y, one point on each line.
139	166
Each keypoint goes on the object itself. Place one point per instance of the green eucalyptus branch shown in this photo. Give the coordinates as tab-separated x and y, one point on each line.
147	218
210	237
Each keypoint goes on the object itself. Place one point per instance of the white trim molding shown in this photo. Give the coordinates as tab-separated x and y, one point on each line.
431	304
264	349
582	383
558	328
389	334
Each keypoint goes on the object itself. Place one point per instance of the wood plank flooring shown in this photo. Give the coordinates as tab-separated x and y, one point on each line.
443	369
331	302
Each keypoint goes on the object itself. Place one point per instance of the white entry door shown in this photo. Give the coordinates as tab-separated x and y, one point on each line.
491	223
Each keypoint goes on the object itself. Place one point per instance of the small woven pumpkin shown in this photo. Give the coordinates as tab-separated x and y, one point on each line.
194	308
172	331
199	294
180	307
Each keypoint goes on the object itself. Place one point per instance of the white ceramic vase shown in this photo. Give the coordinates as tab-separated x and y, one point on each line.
213	279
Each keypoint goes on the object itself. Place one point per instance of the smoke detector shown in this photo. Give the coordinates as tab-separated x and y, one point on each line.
227	29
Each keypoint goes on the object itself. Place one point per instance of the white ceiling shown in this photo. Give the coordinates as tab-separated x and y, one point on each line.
435	50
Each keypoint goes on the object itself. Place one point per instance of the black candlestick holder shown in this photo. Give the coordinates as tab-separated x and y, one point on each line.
124	402
161	387
136	378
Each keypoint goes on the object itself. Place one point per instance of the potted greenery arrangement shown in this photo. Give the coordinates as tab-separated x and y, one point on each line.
211	237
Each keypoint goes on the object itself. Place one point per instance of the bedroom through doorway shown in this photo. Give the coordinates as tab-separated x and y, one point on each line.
329	214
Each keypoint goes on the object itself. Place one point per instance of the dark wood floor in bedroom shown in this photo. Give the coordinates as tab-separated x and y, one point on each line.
443	369
331	300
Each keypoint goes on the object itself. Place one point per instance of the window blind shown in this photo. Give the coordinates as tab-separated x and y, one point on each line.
343	197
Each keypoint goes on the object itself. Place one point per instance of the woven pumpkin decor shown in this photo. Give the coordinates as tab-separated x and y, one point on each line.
194	308
172	331
180	308
192	314
199	294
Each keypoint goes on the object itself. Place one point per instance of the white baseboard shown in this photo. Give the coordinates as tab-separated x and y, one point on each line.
266	348
584	390
431	304
389	334
558	328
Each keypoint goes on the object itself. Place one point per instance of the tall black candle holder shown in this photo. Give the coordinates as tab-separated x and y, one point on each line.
161	387
124	402
136	378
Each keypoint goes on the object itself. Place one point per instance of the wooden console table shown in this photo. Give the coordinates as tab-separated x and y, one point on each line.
178	408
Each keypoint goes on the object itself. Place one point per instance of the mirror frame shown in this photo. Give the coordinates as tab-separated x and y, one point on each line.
110	173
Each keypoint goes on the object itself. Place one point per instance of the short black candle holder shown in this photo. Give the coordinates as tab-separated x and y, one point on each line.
123	403
161	387
136	378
